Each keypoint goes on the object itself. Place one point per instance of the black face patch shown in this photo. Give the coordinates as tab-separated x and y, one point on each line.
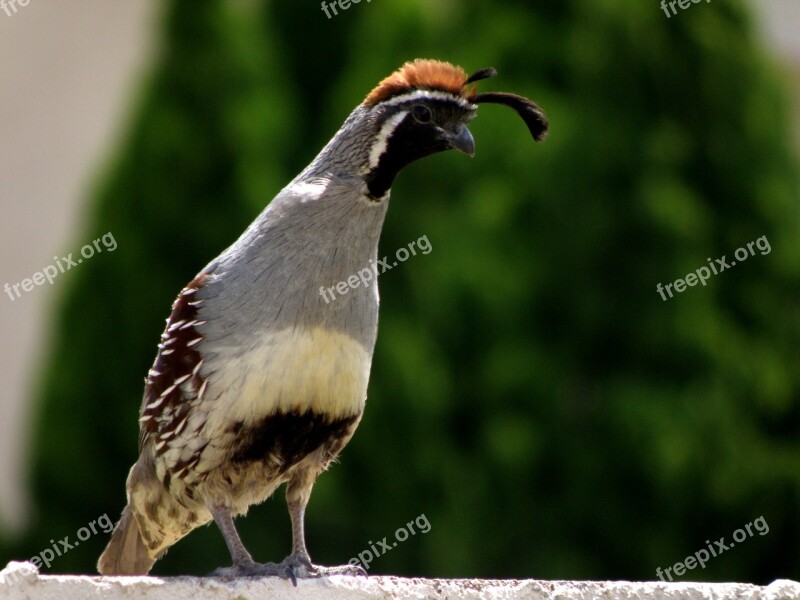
287	438
418	135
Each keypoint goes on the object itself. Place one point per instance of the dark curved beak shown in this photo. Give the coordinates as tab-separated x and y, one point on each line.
461	139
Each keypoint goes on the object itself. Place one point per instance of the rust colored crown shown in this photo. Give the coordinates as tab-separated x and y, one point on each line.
420	74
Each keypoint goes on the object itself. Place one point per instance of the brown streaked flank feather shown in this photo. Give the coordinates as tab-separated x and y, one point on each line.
174	384
420	74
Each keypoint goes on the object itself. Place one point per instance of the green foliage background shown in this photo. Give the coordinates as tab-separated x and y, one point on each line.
531	394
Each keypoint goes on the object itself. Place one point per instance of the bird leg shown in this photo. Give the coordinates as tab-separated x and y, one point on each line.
243	563
298	564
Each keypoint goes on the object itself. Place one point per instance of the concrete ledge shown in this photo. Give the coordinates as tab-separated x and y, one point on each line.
22	581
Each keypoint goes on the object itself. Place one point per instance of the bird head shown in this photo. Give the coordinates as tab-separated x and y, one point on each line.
423	108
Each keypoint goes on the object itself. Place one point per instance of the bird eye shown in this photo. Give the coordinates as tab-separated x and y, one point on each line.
421	113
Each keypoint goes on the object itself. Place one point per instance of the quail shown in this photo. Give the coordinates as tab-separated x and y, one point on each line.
258	381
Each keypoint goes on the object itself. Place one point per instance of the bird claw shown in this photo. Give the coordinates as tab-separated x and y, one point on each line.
292	568
288	573
249	569
296	567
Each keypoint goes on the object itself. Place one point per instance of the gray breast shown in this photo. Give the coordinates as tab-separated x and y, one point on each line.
313	236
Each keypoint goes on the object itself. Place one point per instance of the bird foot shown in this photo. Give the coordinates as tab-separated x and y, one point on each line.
293	567
248	569
297	566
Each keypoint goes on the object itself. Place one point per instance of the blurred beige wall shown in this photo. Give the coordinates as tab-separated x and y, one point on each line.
68	74
780	26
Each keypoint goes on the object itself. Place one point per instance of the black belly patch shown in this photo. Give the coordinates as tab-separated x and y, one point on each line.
289	437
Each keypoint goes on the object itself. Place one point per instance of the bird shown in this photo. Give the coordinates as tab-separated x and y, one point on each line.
257	381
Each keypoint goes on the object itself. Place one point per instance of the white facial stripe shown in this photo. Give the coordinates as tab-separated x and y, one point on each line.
427	94
379	146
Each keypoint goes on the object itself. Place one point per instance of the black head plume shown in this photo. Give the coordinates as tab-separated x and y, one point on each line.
486	73
533	116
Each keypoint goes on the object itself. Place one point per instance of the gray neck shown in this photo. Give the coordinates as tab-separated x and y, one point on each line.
347	154
319	231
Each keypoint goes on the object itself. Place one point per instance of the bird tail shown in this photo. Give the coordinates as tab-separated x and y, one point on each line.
126	553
